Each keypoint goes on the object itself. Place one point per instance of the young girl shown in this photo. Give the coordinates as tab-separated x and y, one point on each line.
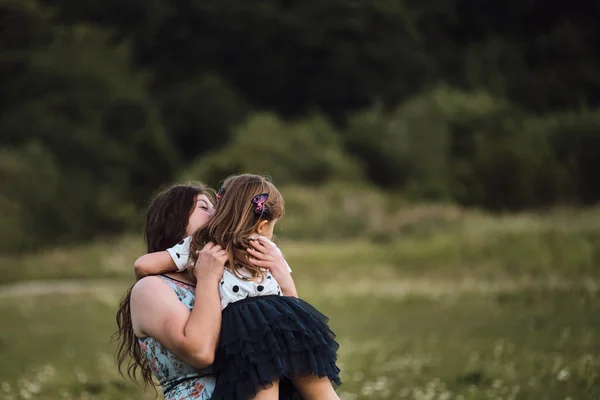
265	337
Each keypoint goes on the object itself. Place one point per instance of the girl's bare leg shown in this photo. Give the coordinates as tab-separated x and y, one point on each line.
314	388
271	393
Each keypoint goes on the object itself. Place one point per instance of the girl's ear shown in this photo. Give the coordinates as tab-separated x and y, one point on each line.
262	226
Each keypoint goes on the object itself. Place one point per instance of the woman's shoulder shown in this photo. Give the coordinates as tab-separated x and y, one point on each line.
149	284
166	280
163	287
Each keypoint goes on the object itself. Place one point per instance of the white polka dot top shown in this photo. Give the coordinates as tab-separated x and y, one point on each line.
231	288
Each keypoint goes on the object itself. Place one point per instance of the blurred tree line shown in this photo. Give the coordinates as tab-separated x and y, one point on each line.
484	103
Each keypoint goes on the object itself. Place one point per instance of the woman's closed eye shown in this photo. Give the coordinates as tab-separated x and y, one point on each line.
202	204
207	209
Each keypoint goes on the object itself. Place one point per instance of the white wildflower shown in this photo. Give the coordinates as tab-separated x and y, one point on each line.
367	389
381	384
81	375
445	396
563	375
348	396
358	376
32	387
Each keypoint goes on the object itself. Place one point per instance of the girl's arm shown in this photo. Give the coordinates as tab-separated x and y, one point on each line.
191	335
172	260
154	264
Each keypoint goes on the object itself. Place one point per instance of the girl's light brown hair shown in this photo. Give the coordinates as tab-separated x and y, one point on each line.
166	223
236	220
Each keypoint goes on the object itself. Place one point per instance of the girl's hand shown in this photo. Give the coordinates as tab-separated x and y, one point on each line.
211	263
267	255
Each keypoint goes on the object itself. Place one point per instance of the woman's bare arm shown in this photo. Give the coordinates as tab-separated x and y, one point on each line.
191	335
157	312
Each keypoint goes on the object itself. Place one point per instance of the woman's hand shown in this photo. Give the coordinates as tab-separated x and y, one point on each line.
210	263
267	255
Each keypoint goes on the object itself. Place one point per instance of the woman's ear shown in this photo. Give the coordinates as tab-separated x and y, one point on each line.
262	226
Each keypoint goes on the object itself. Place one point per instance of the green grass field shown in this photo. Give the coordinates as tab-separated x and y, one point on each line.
449	306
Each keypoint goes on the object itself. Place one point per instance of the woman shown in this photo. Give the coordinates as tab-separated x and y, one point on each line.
169	324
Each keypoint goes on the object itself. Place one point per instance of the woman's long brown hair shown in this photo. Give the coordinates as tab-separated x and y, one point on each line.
166	223
235	220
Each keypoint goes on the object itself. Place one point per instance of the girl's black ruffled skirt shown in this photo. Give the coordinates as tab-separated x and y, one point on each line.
270	338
